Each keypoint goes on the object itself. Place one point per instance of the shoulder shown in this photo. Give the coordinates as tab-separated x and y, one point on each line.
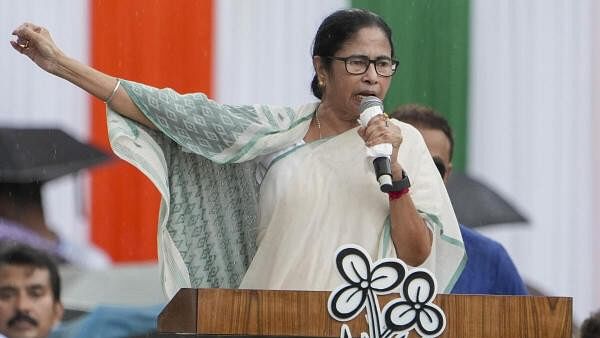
482	245
307	108
486	254
477	237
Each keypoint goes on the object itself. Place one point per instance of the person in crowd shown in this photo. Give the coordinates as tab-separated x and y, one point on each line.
30	304
590	328
261	196
112	321
30	161
489	269
22	221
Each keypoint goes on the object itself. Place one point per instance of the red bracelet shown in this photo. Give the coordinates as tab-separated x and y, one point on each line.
393	195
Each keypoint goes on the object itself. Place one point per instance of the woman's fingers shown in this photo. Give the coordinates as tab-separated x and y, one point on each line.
36	43
19	48
382	131
24	38
28	34
376	123
23	31
361	132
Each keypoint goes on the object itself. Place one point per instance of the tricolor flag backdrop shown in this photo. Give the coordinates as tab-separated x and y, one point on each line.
515	78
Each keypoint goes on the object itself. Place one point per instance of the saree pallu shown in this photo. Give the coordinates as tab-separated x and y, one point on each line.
203	162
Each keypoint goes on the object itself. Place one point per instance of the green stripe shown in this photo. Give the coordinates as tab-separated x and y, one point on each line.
433	219
431	40
246	148
457	273
387	236
386	239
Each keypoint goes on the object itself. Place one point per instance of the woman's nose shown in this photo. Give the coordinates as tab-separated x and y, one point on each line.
371	74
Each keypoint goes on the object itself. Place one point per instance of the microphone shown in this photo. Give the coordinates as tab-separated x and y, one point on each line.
371	106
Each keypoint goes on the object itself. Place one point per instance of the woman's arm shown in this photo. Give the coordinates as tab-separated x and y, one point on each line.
410	234
36	43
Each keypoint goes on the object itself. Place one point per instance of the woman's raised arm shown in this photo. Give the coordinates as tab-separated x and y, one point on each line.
36	43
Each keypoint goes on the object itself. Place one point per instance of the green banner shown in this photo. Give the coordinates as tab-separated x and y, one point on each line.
431	38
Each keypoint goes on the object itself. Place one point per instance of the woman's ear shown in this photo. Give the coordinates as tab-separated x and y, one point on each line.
319	69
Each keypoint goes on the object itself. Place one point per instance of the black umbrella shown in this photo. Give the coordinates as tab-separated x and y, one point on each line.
28	159
40	155
476	204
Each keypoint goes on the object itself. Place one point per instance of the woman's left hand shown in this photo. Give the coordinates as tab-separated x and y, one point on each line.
36	43
381	130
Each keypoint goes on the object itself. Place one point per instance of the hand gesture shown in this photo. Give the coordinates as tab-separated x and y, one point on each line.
381	130
36	42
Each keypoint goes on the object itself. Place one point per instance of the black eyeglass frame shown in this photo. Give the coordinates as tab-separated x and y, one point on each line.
365	58
441	167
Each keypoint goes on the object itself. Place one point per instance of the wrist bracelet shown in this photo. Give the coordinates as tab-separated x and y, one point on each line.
110	97
394	195
401	184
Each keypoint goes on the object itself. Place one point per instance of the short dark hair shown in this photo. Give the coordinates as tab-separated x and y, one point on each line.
337	29
591	326
21	193
23	255
425	117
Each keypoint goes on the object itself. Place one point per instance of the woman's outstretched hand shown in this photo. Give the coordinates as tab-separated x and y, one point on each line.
36	42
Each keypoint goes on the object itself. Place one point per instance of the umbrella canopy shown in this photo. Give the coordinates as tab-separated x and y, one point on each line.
476	204
28	159
40	155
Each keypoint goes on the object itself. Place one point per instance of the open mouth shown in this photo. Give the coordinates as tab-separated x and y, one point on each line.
360	96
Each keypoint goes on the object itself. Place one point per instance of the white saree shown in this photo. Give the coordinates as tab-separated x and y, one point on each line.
322	195
313	199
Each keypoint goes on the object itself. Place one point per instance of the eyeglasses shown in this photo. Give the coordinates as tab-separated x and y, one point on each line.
359	64
440	165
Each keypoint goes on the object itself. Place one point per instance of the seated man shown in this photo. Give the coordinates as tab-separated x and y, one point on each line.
30	303
489	269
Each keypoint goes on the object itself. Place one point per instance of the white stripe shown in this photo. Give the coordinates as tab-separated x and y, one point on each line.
595	179
30	97
530	135
263	49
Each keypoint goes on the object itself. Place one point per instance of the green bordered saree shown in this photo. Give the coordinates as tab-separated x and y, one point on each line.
202	161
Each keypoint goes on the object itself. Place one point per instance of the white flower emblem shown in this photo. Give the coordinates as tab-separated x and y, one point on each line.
364	281
416	309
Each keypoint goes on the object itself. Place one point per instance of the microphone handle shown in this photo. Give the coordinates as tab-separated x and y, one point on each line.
383	172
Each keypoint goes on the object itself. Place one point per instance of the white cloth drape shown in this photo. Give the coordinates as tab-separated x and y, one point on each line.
530	135
294	247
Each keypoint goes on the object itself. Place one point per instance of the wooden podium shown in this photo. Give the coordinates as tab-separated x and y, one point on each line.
265	313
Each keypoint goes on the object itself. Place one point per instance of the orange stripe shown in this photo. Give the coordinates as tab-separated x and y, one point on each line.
163	43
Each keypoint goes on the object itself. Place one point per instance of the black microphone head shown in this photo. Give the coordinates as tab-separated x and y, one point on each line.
370	101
